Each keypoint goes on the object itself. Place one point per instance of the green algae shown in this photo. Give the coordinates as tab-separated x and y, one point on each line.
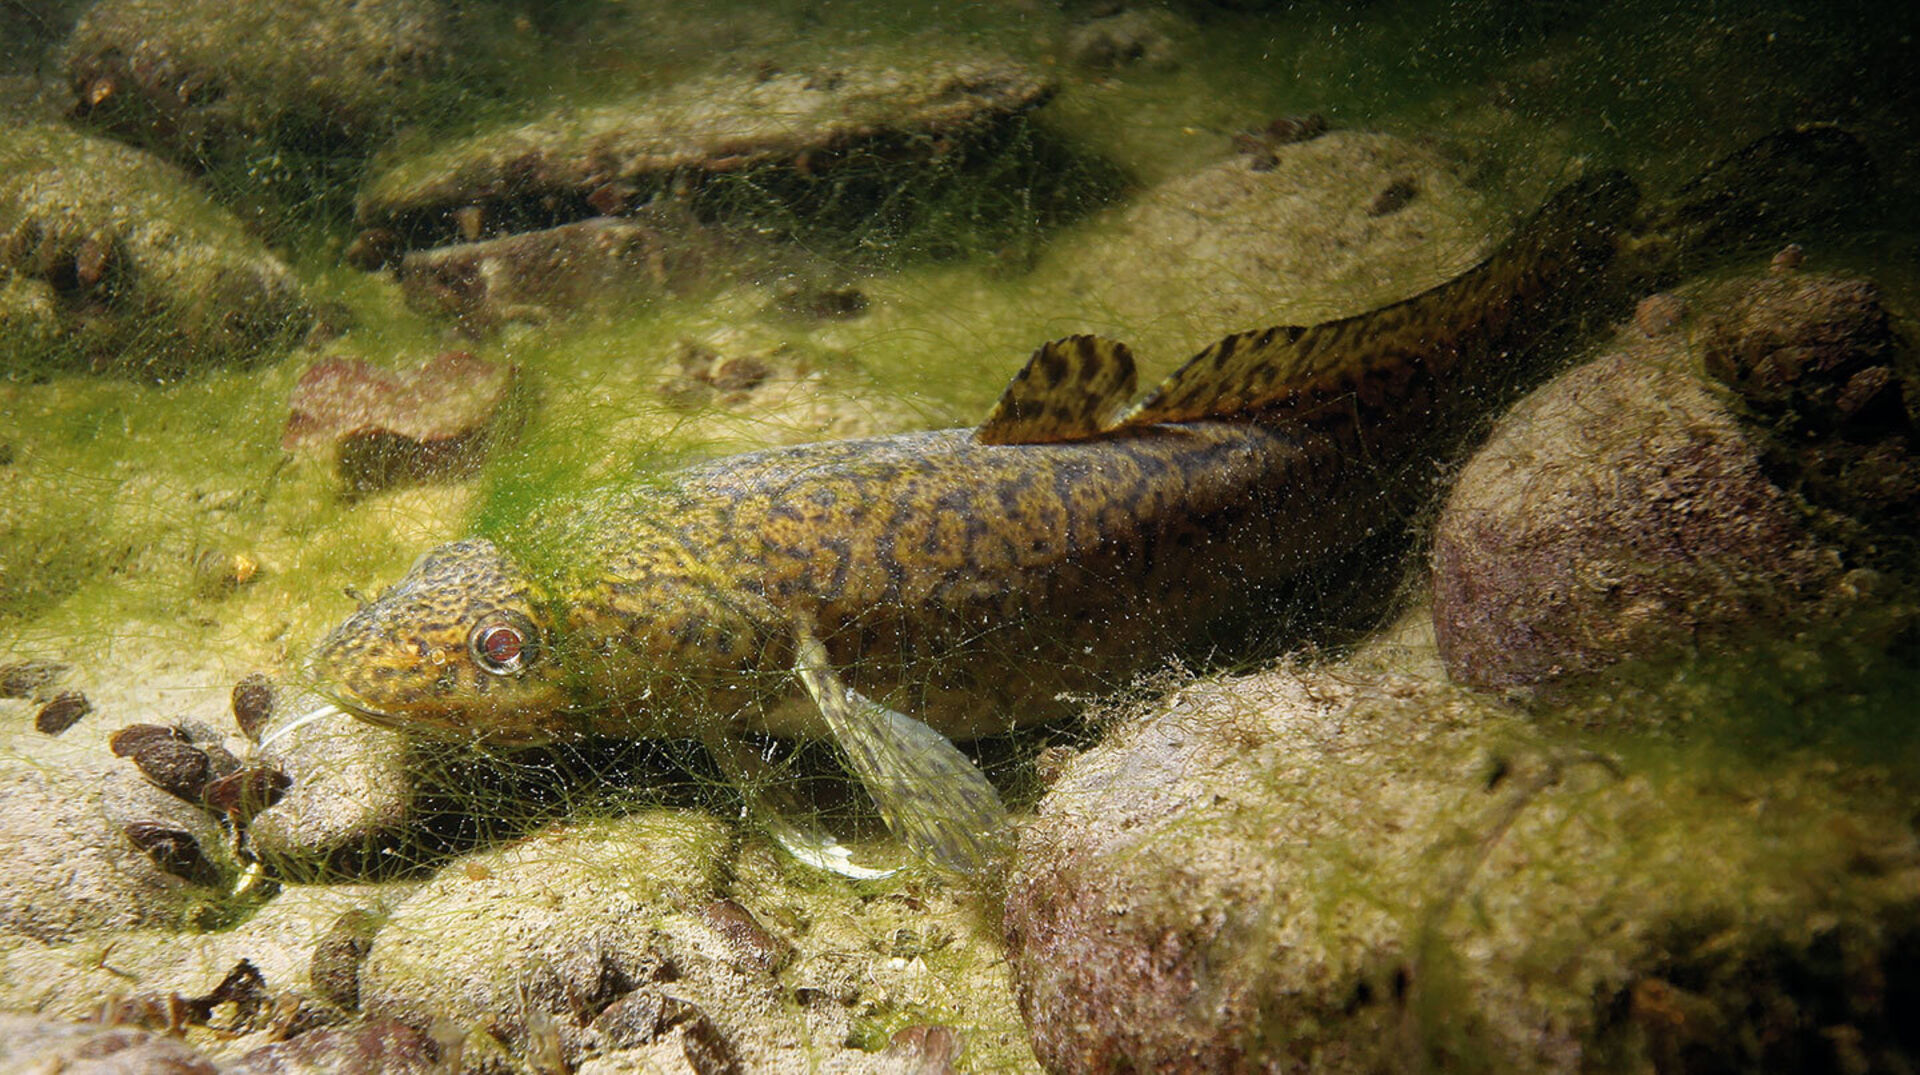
113	491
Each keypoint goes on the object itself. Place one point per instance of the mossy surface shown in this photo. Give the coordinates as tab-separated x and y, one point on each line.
125	505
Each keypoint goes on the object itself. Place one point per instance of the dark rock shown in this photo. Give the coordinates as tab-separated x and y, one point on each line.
1348	870
246	791
541	275
746	941
174	850
377	1045
543	169
335	968
253	701
112	260
62	712
198	75
1394	197
28	679
385	428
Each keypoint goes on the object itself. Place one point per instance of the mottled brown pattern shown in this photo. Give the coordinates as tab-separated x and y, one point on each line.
965	583
1070	389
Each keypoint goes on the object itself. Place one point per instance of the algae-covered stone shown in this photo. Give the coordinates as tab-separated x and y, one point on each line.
530	941
578	158
111	259
1624	510
1244	242
1353	870
90	845
195	75
598	264
651	942
32	1043
350	789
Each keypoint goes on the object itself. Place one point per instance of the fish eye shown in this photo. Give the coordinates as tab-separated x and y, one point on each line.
503	643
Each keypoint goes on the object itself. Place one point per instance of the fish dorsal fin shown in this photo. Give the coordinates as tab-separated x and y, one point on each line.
1246	370
1366	356
1070	389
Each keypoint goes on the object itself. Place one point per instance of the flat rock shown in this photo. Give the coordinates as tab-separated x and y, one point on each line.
1355	870
111	259
598	264
197	74
384	428
577	159
1289	236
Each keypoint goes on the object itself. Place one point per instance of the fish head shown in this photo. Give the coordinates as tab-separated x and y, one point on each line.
460	647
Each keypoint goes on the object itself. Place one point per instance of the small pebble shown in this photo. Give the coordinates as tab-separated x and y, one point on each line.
1397	195
246	791
748	943
173	850
635	1019
253	705
26	679
1659	314
62	712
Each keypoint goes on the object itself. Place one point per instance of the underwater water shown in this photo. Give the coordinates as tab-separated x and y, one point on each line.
1559	720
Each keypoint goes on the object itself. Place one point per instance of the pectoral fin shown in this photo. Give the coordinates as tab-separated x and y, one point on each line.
931	796
771	803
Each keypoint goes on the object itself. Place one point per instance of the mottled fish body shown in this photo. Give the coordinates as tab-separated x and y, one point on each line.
896	592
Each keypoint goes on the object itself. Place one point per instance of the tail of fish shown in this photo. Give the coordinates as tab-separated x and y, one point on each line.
1336	373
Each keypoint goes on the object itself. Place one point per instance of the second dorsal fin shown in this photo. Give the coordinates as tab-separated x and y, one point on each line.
1070	389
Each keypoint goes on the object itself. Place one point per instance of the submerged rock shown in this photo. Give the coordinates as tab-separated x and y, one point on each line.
33	1044
92	846
1289	234
594	265
580	159
348	791
384	428
1623	510
194	75
111	260
1348	869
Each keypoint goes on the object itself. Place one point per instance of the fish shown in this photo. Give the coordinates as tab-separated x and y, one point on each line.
897	594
